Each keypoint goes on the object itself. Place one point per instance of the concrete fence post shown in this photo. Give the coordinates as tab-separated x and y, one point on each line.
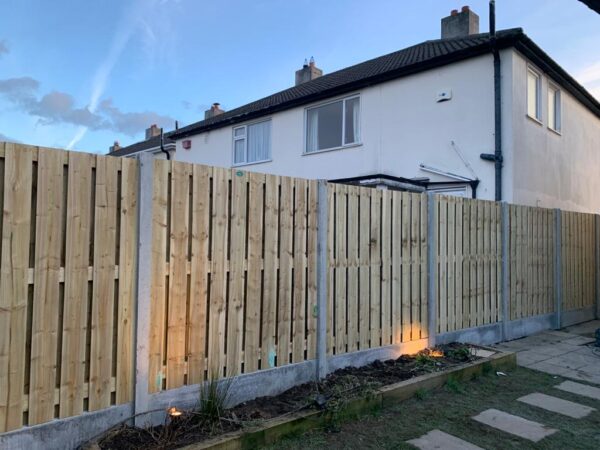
322	224
558	287
144	275
431	269
597	261
505	231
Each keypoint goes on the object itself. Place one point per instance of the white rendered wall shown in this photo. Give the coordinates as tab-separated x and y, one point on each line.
554	170
402	126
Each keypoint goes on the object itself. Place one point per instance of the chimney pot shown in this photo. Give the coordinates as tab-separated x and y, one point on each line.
308	72
214	110
152	131
113	148
460	24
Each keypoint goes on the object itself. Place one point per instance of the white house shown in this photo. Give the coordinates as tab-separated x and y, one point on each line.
420	119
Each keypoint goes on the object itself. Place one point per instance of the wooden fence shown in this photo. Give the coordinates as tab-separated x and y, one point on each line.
377	246
532	261
578	260
67	283
234	274
469	266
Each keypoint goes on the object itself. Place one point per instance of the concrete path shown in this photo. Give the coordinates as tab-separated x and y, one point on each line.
438	440
516	425
557	405
565	352
579	389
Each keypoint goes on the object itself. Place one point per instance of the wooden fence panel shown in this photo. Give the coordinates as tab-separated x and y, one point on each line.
233	290
377	244
469	270
531	271
67	283
578	260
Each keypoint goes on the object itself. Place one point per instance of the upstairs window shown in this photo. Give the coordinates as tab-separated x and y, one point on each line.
333	125
554	112
252	143
534	109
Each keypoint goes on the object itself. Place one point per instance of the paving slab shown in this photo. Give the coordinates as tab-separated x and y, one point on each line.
528	357
557	405
437	440
516	425
573	360
578	340
544	366
579	389
482	353
553	349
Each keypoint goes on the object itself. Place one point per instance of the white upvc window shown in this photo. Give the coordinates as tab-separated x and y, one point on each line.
534	89
333	125
252	143
554	109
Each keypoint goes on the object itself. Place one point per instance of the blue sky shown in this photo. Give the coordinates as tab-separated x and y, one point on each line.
81	74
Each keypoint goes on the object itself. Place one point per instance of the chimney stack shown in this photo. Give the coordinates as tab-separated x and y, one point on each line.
113	148
308	72
214	110
460	24
153	131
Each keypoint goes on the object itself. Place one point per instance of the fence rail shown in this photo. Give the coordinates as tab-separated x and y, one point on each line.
234	276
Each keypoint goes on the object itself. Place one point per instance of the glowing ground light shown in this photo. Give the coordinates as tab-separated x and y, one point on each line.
436	353
174	412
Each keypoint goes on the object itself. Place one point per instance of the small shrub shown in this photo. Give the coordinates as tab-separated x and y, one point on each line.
454	385
421	394
462	353
214	394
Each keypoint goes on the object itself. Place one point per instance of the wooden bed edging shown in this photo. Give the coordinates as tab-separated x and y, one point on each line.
280	427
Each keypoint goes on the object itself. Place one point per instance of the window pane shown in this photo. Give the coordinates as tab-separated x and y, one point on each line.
238	151
557	111
324	127
532	95
259	141
241	131
552	108
352	121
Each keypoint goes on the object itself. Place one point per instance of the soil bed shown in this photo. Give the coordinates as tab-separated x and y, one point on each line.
329	395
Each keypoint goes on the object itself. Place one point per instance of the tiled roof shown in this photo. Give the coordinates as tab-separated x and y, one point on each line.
403	62
153	142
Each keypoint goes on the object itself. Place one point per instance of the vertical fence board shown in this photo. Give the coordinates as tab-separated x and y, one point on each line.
103	297
375	273
254	274
386	261
16	223
201	178
178	257
364	269
352	272
299	257
284	318
311	319
79	193
269	309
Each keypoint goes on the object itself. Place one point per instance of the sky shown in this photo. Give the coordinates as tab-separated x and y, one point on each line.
83	74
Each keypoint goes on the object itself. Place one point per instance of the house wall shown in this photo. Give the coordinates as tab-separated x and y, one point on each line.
550	169
402	126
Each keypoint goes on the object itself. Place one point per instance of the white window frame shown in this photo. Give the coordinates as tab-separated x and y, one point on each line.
245	139
557	108
538	96
343	146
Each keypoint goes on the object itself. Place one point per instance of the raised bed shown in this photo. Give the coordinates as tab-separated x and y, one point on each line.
278	428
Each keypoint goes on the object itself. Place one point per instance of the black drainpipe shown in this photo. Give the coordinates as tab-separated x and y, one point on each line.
496	157
162	147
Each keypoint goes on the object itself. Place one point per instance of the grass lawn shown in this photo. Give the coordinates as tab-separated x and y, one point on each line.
450	409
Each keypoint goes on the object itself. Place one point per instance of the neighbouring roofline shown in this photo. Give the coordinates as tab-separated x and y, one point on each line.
512	38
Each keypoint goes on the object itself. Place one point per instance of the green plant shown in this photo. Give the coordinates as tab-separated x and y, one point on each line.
462	353
214	394
421	394
454	385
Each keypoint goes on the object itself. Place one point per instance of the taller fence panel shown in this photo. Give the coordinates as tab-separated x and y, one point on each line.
469	249
234	273
531	247
67	283
578	260
377	288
